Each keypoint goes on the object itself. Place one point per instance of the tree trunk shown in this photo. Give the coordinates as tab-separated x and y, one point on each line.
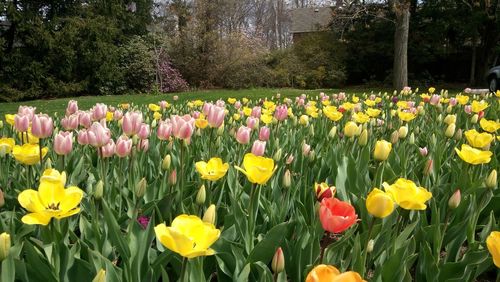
400	69
472	79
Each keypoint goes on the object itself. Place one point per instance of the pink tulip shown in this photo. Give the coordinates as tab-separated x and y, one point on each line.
132	122
99	111
42	126
63	143
196	114
163	104
215	116
72	107
256	112
111	109
341	96
85	119
117	115
468	109
143	145
281	112
435	99
182	127
206	108
220	103
27	111
410	104
83	137
108	150
301	102
264	133
70	122
123	146
98	135
373	97
243	135
306	149
164	130
252	122
453	101
258	147
237	105
423	151
172	179
290	159
143	131
21	122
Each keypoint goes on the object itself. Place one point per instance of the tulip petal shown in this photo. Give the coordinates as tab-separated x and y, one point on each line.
72	198
36	218
29	200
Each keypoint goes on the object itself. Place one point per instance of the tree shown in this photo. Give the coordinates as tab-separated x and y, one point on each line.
401	10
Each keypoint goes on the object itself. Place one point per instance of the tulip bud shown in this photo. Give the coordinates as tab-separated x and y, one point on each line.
140	188
403	132
99	190
394	137
454	200
458	134
474	119
370	246
100	276
2	199
312	156
48	163
491	180
278	262
332	132
363	138
220	130
412	139
277	155
210	214
1	124
201	195
450	130
311	130
289	159
4	245
433	140
428	167
165	164
287	179
172	179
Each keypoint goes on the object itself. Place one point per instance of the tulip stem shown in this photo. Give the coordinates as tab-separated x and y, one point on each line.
365	251
40	153
446	221
182	278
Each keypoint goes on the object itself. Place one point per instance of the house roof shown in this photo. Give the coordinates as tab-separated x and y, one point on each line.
310	19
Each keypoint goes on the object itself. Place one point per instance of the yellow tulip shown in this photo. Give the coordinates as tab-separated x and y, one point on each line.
247	111
361	117
6	145
5	245
257	169
493	244
28	154
369	103
478	140
348	106
157	115
473	156
329	273
373	112
201	123
51	200
431	90
312	111
125	106
198	103
10	119
332	113
245	100
188	236
236	117
407	194
100	276
450	130
212	170
267	119
462	99
449	119
154	107
489	125
304	120
406	116
479	106
29	138
379	203
382	150
231	100
351	129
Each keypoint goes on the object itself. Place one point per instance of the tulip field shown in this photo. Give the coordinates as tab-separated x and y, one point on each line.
395	186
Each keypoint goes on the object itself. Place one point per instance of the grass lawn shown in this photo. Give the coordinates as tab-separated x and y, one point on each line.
51	106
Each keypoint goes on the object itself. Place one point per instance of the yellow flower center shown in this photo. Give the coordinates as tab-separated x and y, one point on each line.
53	206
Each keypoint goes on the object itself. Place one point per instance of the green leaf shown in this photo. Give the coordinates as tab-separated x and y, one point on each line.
115	233
8	270
265	249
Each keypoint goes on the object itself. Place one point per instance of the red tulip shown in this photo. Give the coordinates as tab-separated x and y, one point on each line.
336	216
